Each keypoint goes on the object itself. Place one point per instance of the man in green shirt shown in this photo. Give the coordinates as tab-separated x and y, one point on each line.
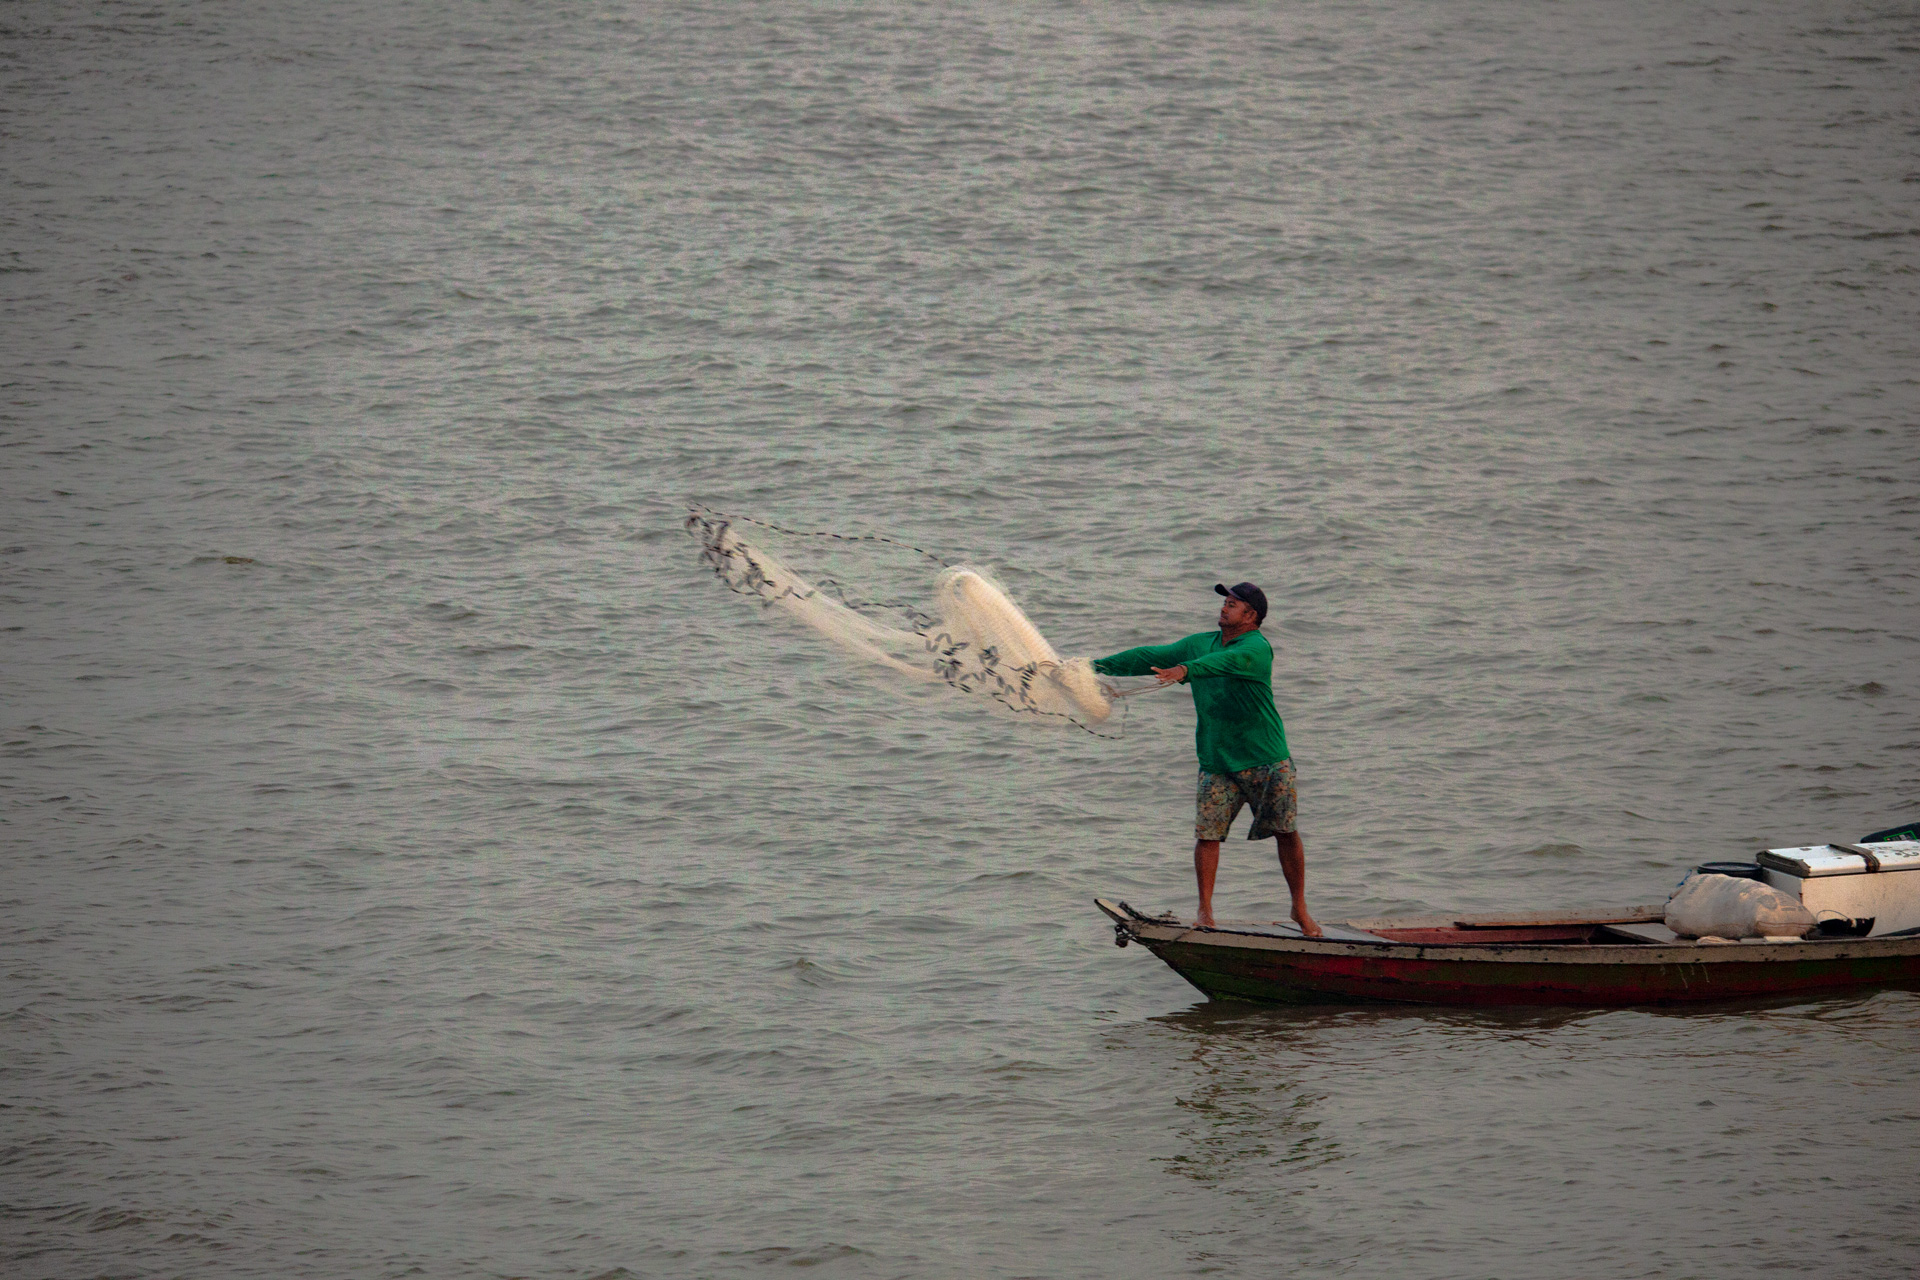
1242	744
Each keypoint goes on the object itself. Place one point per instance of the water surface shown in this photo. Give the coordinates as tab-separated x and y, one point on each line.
417	864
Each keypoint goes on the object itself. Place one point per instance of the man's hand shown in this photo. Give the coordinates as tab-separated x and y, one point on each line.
1170	675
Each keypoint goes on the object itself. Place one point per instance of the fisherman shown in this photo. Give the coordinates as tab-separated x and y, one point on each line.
1242	744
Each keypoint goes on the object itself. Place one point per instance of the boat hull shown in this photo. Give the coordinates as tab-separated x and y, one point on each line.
1279	970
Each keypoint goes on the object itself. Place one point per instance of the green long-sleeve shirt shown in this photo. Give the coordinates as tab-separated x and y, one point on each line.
1239	727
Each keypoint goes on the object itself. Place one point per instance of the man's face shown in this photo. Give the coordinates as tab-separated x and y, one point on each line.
1235	612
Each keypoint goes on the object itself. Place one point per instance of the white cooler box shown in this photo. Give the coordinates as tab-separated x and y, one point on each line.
1856	880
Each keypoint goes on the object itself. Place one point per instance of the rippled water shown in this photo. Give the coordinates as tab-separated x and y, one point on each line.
417	864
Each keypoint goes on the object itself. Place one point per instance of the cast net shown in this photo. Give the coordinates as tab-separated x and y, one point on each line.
912	613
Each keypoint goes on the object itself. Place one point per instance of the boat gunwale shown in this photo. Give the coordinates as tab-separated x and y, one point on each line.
1150	931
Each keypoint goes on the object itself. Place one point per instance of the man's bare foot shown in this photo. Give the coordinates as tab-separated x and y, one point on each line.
1305	921
1204	919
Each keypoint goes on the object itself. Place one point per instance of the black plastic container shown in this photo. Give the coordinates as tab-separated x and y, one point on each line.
1738	870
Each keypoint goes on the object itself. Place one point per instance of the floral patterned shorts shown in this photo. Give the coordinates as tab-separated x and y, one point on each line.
1268	788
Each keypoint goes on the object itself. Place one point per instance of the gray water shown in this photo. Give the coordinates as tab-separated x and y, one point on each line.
417	864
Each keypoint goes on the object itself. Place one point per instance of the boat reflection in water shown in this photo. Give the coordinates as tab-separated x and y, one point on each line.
1383	1134
1260	1083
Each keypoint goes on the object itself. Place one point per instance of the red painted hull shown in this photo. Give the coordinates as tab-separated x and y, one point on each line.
1290	970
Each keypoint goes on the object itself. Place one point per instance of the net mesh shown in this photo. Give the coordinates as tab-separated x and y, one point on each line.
963	630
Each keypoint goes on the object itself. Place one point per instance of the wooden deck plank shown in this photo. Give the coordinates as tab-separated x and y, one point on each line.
1514	919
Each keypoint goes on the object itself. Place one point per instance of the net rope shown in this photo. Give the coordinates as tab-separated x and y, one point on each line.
969	635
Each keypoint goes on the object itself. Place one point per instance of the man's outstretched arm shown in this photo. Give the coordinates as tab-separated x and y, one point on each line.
1141	661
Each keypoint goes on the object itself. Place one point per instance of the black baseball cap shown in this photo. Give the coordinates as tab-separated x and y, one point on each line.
1246	593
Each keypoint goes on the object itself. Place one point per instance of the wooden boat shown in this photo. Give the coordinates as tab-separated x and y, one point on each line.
1625	957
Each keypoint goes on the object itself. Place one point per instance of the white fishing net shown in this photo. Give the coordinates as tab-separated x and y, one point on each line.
966	632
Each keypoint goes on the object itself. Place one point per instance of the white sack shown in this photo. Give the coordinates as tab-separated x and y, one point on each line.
1731	907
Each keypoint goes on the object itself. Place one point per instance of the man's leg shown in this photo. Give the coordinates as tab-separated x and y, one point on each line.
1216	803
1293	862
1206	861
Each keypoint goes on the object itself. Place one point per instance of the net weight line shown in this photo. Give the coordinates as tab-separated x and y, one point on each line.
710	527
